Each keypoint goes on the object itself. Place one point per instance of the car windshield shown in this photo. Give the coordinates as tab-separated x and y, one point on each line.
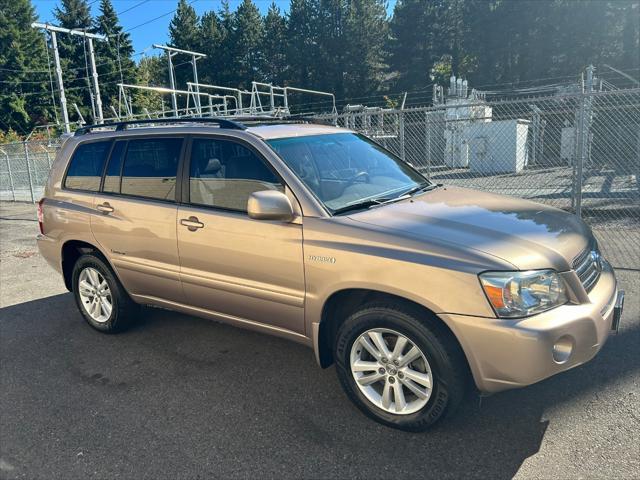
347	171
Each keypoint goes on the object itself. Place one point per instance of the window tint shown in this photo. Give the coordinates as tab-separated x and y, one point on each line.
112	176
224	174
85	170
150	168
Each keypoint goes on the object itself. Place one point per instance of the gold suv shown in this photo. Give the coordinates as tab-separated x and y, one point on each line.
319	235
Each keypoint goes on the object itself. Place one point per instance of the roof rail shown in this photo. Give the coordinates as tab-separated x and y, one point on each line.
120	126
301	118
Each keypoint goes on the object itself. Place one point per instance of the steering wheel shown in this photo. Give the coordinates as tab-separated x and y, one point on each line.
359	175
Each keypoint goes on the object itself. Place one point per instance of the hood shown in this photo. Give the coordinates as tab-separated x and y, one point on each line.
526	234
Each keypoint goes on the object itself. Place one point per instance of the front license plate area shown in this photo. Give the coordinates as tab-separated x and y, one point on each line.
617	311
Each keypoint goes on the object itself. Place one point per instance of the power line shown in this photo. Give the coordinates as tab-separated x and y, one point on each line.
132	7
22	70
157	18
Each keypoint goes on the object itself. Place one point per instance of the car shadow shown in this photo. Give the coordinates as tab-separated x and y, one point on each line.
180	396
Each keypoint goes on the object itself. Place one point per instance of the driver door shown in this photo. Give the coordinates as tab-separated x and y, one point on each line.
244	269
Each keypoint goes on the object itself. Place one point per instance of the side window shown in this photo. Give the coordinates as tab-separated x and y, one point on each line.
85	169
150	168
112	175
224	174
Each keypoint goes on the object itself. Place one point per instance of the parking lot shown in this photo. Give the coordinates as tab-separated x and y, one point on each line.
181	397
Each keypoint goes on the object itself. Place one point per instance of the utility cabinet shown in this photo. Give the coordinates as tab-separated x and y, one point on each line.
497	146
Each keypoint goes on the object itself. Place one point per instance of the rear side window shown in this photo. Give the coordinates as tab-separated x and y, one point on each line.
85	169
150	168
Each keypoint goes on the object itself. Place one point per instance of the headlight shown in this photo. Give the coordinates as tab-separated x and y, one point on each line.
519	294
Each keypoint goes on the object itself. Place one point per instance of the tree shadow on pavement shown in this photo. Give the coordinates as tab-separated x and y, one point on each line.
178	396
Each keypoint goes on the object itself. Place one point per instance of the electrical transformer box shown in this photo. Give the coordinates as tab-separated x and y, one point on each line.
498	146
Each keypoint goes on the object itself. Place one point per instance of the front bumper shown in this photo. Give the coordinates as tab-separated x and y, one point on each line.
506	354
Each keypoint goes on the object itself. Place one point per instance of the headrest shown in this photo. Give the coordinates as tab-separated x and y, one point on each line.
213	166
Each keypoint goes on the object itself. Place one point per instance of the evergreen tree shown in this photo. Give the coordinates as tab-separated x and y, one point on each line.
183	29
151	71
274	68
630	37
332	44
226	65
366	36
336	45
184	33
247	39
75	14
24	97
211	37
302	42
113	57
411	43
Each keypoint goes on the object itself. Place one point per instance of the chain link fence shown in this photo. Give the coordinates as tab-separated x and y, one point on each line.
24	168
578	152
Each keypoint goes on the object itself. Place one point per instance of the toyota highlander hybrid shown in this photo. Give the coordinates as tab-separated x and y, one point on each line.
413	290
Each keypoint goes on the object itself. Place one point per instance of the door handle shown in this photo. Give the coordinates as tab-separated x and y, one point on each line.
105	208
192	223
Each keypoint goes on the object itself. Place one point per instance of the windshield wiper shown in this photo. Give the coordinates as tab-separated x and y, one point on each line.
359	205
423	187
371	202
375	202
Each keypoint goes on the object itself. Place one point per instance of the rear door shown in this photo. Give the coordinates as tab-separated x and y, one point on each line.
231	264
135	216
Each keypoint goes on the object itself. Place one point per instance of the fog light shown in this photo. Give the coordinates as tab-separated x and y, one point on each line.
562	349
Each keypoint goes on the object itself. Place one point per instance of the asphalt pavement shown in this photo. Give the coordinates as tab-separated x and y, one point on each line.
182	397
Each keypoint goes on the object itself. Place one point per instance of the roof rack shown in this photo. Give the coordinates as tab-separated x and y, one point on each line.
120	126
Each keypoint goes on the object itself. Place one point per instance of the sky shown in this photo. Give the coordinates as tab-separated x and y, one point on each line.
134	13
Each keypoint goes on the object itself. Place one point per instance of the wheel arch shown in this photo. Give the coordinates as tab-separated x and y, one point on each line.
71	251
340	304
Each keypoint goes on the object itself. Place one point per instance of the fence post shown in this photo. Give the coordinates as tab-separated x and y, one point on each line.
638	165
582	136
427	128
577	171
26	156
48	157
13	190
401	127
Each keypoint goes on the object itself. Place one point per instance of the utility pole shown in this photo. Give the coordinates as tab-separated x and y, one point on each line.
52	29
96	86
63	98
195	56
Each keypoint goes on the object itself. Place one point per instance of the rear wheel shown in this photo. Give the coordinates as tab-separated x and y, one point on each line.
100	297
399	368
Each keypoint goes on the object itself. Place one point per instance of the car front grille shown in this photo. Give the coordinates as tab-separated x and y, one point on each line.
588	266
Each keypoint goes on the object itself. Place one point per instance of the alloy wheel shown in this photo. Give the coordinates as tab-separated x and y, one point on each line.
391	371
95	294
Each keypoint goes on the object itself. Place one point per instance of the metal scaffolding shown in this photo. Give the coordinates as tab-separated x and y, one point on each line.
172	52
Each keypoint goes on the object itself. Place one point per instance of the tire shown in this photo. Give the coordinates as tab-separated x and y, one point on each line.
441	364
93	269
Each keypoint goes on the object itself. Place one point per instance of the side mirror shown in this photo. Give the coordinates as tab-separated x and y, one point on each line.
270	205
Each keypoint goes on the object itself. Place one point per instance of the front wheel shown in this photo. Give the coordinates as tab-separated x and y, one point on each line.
399	369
